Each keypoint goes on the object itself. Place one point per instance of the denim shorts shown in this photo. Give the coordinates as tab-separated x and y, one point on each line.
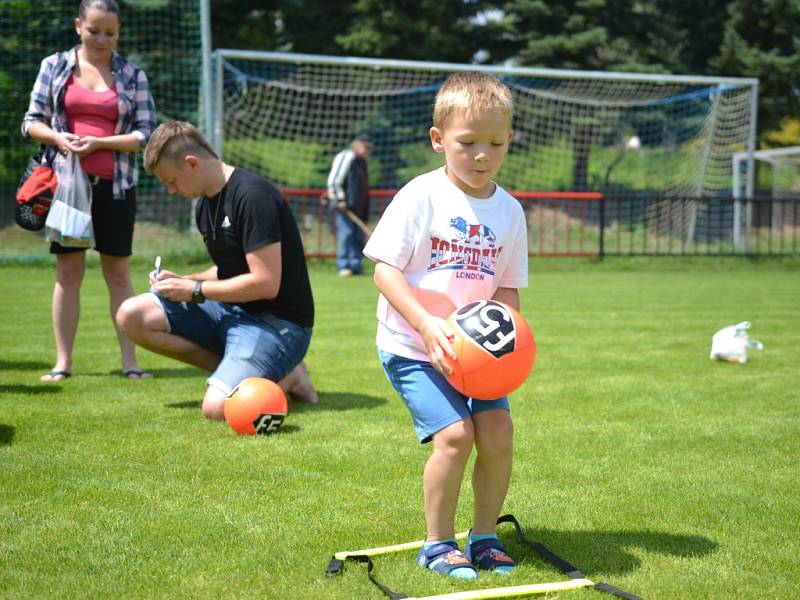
251	345
434	404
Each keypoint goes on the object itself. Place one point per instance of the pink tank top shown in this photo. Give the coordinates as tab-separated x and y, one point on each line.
92	113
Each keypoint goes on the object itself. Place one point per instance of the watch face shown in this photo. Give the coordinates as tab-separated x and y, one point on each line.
197	294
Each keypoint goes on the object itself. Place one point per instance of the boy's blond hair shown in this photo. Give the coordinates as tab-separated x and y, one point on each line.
172	141
471	90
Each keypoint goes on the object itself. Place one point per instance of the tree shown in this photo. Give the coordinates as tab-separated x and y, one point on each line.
716	37
575	34
424	30
246	24
762	39
686	34
788	134
311	26
433	30
308	26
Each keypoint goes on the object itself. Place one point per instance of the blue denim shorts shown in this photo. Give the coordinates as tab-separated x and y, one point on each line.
251	345
434	404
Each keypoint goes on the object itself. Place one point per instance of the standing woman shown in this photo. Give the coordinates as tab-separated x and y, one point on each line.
92	102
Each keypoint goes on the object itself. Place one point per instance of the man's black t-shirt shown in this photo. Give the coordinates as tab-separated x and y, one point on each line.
248	213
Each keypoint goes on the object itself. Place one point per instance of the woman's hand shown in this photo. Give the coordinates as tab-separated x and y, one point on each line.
64	142
86	145
438	337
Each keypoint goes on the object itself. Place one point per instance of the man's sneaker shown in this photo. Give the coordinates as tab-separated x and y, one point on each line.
345	272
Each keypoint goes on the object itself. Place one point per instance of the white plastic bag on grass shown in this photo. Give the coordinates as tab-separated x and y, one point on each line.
731	343
69	221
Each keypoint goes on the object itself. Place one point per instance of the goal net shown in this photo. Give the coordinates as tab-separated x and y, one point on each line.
774	177
287	115
778	171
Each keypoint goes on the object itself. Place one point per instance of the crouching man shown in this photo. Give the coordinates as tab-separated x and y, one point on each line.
251	313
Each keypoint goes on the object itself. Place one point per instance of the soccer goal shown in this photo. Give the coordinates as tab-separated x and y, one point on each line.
611	134
775	174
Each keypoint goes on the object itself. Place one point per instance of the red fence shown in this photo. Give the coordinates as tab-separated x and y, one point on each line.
562	223
559	223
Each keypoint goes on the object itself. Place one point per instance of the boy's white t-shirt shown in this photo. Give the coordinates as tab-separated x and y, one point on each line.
452	249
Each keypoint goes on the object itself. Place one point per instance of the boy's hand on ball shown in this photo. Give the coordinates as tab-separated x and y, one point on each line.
438	337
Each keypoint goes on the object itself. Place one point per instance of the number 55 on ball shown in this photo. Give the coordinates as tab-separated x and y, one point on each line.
495	349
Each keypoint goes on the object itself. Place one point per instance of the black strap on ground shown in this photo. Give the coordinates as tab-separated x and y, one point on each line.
562	565
335	567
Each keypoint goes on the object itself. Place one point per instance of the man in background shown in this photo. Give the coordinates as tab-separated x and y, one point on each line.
348	193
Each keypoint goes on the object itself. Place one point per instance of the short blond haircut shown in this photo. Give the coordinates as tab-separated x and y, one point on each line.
173	141
471	91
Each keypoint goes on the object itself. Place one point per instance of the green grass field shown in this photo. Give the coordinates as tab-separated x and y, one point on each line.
637	458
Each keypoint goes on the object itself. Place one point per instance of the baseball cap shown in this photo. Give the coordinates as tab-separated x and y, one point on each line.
364	138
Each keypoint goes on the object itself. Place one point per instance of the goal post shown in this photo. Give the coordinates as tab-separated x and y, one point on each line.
567	123
774	172
287	115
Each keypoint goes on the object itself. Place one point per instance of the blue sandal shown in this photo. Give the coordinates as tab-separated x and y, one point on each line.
490	555
443	558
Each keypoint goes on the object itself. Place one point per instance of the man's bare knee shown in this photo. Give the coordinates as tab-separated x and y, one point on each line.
138	315
129	316
214	403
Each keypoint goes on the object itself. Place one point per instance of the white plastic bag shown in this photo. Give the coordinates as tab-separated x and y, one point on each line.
731	343
69	221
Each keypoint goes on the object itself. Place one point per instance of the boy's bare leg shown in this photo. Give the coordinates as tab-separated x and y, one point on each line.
491	475
297	384
443	475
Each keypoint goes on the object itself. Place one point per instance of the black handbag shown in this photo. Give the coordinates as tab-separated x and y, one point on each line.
35	191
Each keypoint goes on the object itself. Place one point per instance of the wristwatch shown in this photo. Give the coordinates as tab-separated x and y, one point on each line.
197	293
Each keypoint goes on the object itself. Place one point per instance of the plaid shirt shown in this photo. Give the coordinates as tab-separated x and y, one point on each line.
137	112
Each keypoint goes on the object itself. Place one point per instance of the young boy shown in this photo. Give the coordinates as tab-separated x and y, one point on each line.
450	237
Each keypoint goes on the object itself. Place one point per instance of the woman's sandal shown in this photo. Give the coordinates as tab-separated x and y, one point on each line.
489	554
53	374
136	374
443	558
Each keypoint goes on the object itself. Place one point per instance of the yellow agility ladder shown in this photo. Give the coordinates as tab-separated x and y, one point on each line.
576	578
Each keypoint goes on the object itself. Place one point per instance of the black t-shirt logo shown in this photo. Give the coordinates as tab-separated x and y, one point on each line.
490	325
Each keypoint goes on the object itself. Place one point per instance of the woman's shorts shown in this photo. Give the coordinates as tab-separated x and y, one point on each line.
251	345
434	404
112	220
